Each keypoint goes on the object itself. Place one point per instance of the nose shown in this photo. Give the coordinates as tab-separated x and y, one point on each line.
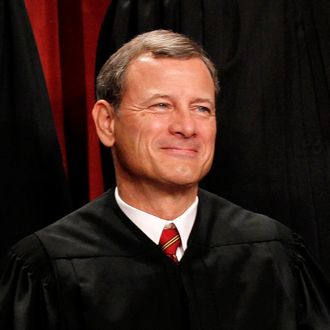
182	123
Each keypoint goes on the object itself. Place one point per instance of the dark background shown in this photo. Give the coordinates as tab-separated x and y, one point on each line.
272	153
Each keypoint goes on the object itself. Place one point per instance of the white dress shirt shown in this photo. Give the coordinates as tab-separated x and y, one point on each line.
153	226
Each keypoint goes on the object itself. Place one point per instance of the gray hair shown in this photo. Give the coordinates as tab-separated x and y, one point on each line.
160	43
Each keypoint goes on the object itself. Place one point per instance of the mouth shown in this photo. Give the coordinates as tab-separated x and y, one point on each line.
180	151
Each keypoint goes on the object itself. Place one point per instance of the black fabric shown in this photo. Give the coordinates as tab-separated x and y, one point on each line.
33	191
274	136
94	269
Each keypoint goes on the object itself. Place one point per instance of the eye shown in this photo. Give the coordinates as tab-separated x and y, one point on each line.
161	106
203	110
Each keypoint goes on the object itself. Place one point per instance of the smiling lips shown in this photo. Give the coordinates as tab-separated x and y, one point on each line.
185	151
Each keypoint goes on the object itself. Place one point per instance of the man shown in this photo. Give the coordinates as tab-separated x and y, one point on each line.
156	252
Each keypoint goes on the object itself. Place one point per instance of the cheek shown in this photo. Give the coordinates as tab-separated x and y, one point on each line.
209	135
139	141
149	130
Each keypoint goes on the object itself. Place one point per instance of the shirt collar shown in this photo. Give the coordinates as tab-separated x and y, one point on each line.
153	226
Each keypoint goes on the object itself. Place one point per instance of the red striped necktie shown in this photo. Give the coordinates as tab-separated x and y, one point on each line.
170	241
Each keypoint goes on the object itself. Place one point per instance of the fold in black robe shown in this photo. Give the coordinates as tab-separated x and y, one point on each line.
94	269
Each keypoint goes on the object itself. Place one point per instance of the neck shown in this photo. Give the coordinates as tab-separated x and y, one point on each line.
165	203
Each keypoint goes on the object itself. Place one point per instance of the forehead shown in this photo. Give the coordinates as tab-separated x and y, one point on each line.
151	62
147	68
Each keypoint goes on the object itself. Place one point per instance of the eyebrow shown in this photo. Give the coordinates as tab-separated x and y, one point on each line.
202	100
196	100
156	96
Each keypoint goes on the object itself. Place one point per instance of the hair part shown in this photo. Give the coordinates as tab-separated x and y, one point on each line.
110	81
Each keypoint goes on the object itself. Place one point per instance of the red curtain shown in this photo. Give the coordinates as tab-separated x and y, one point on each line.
66	34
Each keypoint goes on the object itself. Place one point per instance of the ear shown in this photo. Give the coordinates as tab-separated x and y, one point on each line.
104	114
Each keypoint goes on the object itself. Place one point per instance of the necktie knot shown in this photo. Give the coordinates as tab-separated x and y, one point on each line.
170	241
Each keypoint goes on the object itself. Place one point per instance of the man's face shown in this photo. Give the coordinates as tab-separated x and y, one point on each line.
164	132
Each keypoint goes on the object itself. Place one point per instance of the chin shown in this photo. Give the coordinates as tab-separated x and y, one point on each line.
181	176
181	181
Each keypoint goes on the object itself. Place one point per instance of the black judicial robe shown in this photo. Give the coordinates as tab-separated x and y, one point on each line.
94	269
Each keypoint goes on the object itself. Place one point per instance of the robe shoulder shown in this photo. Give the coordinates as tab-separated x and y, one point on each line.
227	223
30	255
99	228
